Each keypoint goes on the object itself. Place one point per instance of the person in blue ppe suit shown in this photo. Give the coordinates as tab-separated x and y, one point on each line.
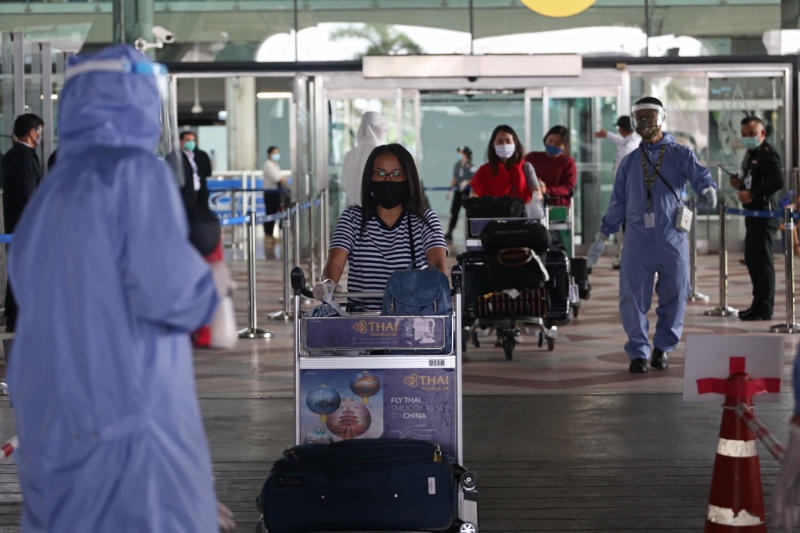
786	491
109	287
647	197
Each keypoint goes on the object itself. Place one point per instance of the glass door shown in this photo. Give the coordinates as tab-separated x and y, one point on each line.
583	111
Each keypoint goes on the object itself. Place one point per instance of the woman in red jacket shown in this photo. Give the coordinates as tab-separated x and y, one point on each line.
503	174
554	167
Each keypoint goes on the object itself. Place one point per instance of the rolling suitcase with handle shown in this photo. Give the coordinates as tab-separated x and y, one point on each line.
363	485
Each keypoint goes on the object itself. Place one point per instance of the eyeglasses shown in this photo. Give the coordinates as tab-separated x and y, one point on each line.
393	175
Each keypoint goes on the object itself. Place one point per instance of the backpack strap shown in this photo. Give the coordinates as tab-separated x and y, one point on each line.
411	241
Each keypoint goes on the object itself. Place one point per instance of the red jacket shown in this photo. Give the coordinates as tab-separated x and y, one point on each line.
558	174
505	182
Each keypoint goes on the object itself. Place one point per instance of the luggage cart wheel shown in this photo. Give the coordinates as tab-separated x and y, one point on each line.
551	344
469	481
575	309
467	527
541	339
509	342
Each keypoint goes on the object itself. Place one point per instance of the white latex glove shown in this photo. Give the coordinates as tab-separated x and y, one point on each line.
710	194
225	518
596	249
324	290
787	486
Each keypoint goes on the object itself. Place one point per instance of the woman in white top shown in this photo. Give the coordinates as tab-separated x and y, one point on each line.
272	185
389	231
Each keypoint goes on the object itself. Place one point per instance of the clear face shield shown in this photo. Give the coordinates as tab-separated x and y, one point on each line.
647	119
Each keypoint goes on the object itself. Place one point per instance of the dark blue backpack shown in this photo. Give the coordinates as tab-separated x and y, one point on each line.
420	292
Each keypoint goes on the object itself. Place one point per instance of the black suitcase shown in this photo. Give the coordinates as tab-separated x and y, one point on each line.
362	485
494	207
558	287
580	273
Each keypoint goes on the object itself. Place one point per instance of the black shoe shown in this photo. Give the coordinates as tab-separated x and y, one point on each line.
755	316
638	366
659	360
745	312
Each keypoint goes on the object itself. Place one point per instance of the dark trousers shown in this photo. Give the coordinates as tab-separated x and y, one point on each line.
11	309
758	257
455	209
272	202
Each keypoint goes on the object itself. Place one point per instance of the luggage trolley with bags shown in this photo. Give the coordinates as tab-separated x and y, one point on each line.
561	259
378	416
507	285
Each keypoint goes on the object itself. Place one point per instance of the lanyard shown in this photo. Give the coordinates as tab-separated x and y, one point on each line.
651	180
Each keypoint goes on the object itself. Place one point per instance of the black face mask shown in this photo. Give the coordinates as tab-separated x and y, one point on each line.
389	194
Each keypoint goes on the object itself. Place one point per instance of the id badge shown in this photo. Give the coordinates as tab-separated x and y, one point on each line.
748	181
649	220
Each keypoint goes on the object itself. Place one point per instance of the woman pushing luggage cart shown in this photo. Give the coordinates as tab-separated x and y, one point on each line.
378	385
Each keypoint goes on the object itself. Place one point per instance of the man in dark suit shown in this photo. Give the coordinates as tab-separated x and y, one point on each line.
204	229
196	168
21	173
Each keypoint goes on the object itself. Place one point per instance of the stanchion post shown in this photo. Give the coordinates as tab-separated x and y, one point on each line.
312	250
321	242
695	295
252	332
296	233
326	213
722	309
285	313
788	228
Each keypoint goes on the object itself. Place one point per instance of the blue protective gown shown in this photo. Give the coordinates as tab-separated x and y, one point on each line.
662	249
101	374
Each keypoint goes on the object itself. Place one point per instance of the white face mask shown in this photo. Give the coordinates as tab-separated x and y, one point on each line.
504	151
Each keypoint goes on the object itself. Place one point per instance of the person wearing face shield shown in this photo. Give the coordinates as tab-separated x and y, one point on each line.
761	168
21	172
110	432
390	230
647	198
370	134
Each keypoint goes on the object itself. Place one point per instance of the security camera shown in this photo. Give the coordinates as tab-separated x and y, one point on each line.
163	35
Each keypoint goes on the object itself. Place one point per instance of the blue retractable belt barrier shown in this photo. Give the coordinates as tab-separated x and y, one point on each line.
439	188
756	214
6	237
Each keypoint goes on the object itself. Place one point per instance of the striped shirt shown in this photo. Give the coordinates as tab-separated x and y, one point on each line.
380	250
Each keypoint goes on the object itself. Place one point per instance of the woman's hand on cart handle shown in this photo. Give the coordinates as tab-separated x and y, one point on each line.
324	289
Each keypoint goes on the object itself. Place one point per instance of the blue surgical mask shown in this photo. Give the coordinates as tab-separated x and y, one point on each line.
189	146
751	143
552	150
275	157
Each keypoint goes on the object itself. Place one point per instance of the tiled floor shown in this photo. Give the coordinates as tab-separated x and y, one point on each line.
563	441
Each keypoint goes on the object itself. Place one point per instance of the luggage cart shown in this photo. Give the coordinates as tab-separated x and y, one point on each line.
394	371
562	221
508	324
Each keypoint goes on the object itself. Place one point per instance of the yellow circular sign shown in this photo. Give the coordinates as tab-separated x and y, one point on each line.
558	8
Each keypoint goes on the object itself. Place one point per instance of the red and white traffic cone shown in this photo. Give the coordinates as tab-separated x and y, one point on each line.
8	448
736	503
